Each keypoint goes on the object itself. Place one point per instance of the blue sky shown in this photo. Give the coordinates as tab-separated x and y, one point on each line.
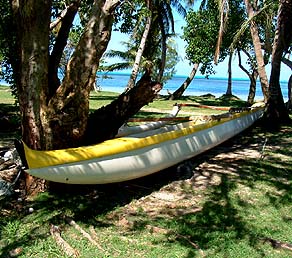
183	67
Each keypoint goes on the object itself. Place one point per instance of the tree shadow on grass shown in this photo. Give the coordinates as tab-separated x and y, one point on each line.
221	225
217	226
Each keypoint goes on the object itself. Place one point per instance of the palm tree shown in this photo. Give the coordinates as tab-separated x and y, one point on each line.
276	110
160	14
289	64
251	11
141	48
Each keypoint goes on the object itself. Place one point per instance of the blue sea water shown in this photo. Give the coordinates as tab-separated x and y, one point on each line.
199	86
116	82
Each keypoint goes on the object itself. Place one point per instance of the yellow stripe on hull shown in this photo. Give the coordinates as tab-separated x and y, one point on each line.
39	159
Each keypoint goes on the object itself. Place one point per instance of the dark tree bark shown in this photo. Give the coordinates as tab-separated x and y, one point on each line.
276	110
104	123
55	115
289	64
229	84
32	19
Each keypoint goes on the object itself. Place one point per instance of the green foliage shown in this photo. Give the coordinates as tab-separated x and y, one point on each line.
151	56
8	49
127	16
201	32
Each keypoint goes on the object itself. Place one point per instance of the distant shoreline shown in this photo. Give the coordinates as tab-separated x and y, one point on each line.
184	76
4	83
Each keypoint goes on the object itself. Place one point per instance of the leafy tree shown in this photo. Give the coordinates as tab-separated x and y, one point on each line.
7	42
264	19
128	57
159	25
55	114
202	46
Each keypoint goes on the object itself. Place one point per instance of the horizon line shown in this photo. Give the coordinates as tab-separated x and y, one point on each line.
182	75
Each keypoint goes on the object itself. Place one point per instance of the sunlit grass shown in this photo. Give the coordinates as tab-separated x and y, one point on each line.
232	216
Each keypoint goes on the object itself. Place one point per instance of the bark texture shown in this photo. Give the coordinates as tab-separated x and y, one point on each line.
32	31
180	91
276	110
258	50
105	122
55	115
229	84
289	64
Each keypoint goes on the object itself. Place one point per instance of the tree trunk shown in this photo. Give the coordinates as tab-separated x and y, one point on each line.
60	43
32	19
258	50
180	91
56	117
252	77
139	54
229	84
289	64
276	110
252	87
289	102
111	117
67	111
163	50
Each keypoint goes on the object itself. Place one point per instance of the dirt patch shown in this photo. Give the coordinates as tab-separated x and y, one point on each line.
186	196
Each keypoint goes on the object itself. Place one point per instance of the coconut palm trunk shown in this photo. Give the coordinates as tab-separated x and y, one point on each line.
276	110
251	75
289	64
139	54
258	50
229	84
180	91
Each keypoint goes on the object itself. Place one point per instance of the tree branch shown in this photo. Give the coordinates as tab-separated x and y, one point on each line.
113	116
66	18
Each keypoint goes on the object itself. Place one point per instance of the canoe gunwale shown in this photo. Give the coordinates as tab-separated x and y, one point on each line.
38	159
117	162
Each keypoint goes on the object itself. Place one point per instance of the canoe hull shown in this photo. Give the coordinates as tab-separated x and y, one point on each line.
147	160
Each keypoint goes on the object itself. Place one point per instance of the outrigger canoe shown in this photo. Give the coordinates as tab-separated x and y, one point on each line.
137	155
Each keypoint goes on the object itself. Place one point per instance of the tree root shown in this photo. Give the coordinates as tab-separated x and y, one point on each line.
68	250
84	233
278	244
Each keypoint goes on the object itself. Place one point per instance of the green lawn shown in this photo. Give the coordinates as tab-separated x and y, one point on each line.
238	201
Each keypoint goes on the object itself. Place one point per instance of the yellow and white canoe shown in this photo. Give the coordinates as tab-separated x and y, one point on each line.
137	155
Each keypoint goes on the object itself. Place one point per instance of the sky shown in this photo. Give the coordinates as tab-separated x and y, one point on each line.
184	68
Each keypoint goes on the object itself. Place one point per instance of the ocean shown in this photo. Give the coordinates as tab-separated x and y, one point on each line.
199	86
116	82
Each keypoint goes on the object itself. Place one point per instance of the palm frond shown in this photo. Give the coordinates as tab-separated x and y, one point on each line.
117	66
245	26
179	7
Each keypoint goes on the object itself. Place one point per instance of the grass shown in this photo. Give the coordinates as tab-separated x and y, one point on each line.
228	202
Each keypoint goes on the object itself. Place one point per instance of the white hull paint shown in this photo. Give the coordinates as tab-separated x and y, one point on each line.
128	130
147	160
